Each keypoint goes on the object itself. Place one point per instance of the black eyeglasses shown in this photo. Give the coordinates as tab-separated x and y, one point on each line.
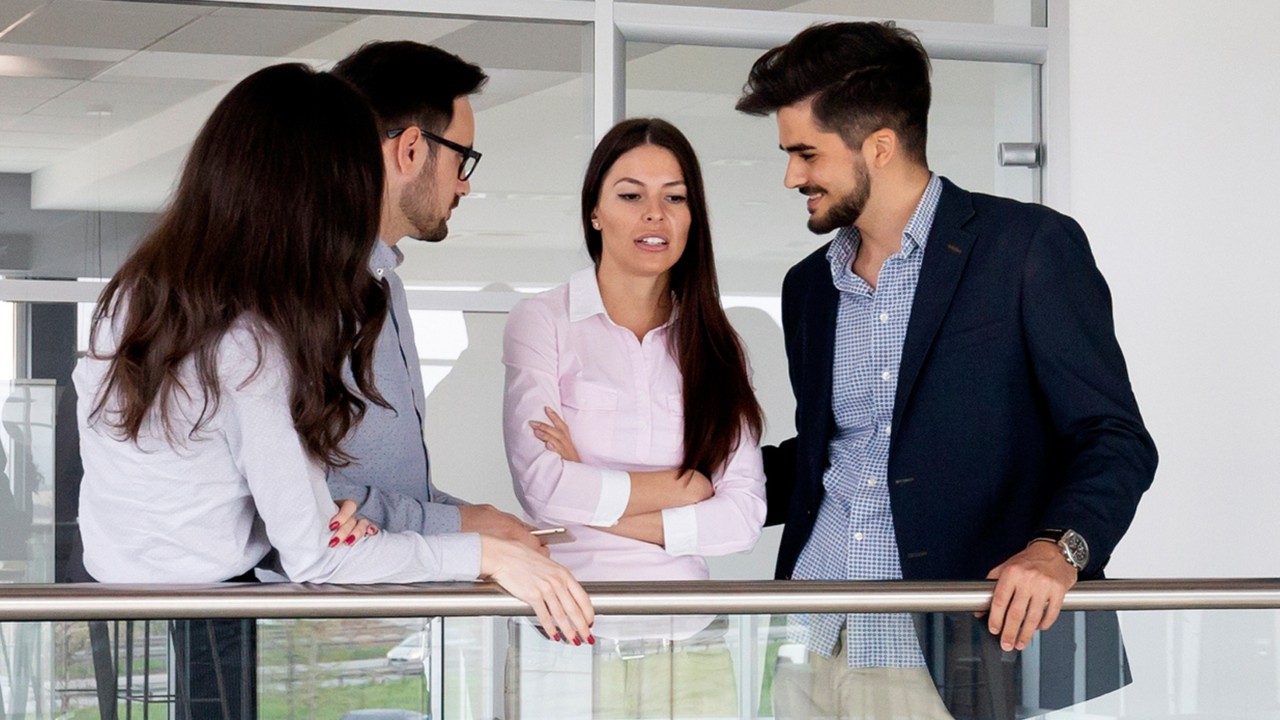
470	158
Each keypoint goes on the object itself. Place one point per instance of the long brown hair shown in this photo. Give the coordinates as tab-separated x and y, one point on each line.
273	221
718	399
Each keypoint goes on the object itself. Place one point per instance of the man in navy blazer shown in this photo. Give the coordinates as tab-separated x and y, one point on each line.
957	378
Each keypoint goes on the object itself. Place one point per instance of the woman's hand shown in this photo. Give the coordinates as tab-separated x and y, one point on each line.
555	436
346	527
562	606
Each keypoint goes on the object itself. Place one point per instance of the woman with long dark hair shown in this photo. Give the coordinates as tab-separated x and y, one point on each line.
212	400
629	415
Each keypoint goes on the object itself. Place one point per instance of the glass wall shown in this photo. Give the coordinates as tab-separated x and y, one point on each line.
1150	664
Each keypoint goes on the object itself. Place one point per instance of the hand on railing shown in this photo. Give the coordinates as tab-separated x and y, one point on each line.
562	606
1030	587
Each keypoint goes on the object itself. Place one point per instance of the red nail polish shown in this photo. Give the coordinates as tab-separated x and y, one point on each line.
576	642
351	539
556	637
333	526
591	639
333	542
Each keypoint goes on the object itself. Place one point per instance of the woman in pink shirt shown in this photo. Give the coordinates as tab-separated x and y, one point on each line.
629	415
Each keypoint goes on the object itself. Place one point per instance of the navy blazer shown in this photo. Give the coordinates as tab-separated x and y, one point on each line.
1013	412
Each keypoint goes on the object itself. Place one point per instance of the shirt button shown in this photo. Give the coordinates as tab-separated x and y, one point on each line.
872	482
884	317
857	536
888	430
885	375
378	272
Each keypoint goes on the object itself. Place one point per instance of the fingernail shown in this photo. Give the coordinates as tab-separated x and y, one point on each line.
556	637
333	526
591	639
373	531
351	539
333	542
576	642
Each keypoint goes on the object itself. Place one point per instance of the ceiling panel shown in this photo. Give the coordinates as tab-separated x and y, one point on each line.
11	11
56	141
90	23
263	34
87	127
524	45
19	66
134	99
63	52
39	88
188	66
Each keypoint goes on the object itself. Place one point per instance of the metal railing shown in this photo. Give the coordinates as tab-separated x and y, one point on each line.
125	602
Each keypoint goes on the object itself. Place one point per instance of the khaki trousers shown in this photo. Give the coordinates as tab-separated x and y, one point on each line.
826	688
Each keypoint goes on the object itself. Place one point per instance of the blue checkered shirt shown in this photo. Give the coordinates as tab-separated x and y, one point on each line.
853	536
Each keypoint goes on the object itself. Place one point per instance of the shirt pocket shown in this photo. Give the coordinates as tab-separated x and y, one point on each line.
586	396
591	411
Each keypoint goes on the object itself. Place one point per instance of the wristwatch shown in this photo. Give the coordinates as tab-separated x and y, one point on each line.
1074	547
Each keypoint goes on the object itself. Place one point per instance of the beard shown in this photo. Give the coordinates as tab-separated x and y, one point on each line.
845	210
416	204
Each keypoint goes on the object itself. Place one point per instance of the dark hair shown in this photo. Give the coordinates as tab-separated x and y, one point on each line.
409	83
718	398
273	221
862	76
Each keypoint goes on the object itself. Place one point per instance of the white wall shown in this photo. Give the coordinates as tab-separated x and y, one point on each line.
1173	149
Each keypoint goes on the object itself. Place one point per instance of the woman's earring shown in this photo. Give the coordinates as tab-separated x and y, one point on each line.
595	223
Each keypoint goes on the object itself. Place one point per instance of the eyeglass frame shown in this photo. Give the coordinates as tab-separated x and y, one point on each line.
466	152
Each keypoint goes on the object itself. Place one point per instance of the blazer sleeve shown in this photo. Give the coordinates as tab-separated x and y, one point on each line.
1078	365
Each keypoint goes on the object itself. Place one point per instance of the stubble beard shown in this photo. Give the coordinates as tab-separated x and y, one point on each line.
415	204
847	209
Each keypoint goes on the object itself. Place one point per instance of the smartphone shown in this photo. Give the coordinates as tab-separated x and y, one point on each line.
552	535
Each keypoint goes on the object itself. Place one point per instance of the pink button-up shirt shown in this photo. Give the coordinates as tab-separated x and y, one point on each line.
622	400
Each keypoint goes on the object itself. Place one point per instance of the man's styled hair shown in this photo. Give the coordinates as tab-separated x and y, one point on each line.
862	76
408	83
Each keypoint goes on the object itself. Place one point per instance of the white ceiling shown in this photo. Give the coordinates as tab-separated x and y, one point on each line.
99	101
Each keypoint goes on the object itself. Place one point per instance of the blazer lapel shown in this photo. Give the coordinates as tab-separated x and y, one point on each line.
822	334
945	257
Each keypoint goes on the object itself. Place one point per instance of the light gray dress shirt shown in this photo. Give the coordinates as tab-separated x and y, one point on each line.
391	475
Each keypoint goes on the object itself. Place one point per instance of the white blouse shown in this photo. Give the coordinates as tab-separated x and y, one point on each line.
209	507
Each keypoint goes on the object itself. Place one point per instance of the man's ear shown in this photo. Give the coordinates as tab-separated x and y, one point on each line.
406	151
880	147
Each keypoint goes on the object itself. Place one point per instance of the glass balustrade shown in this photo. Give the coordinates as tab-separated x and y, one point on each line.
1192	649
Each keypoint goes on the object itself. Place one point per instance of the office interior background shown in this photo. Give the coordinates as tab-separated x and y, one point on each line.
1154	121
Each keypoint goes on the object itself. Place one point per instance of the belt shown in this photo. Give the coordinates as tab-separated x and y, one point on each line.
712	636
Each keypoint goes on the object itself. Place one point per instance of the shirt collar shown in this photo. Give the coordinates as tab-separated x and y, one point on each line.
384	258
915	236
585	300
584	295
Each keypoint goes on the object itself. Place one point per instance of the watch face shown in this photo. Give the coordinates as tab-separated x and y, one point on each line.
1077	550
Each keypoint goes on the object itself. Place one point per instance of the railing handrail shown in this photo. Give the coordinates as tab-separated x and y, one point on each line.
19	603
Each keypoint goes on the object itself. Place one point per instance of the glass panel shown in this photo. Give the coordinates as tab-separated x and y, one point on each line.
27	474
1171	664
996	12
759	224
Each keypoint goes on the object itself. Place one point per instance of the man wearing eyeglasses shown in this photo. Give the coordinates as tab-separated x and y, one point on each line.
419	94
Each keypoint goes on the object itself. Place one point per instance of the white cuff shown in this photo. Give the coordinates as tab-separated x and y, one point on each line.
615	493
459	556
680	530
